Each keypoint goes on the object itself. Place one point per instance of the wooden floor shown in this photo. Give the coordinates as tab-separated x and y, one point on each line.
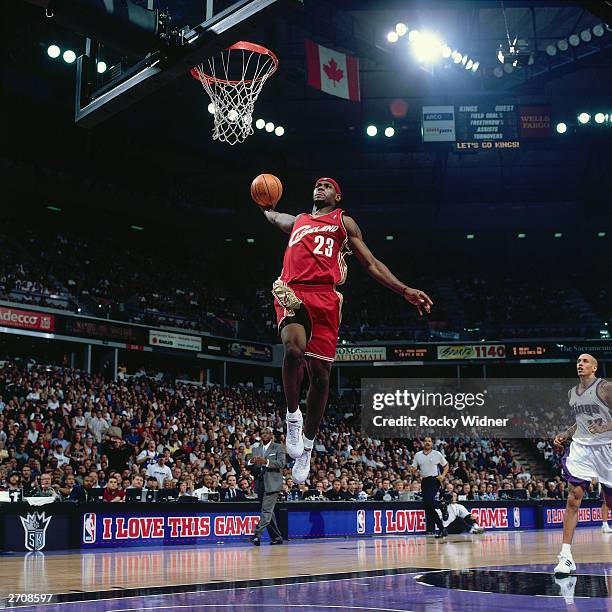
142	567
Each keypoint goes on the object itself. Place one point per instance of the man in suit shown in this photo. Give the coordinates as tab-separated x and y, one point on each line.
267	462
231	493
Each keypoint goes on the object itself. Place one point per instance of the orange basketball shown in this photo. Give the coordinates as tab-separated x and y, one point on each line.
266	190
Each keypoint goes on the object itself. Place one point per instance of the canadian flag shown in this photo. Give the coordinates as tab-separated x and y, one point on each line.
332	72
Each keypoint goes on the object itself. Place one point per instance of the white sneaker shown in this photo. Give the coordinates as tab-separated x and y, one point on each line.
565	565
295	441
477	529
301	467
606	528
567	588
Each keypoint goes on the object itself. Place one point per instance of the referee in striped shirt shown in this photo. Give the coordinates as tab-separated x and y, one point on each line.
428	462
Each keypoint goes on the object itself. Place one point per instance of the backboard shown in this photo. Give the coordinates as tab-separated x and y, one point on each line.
173	52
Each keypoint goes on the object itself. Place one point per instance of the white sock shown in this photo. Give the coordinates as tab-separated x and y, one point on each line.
308	443
295	416
566	550
604	524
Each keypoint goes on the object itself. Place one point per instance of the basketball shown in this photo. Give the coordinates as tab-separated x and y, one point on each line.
266	190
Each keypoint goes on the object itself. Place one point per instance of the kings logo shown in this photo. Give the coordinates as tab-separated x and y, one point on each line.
35	526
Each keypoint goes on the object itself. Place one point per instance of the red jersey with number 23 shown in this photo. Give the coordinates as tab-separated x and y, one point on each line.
316	250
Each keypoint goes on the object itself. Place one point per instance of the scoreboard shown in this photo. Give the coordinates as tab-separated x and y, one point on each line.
478	126
487	126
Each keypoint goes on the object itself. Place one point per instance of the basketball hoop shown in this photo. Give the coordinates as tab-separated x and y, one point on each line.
234	100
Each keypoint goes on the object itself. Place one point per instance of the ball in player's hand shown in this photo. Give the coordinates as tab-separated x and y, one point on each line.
266	190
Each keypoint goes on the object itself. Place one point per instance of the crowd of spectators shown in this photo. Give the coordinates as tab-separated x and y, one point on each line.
187	288
64	432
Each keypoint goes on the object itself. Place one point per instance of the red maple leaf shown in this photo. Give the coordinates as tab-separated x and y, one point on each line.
332	71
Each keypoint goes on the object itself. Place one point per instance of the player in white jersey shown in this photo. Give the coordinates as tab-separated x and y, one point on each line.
590	453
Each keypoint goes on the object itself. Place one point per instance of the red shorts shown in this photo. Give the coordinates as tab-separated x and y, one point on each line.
323	305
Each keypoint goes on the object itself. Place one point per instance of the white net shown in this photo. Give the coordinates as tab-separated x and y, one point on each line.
233	82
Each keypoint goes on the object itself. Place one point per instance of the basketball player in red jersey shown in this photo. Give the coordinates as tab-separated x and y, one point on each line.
308	306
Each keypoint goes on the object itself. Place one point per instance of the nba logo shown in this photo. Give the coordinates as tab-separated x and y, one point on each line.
89	528
517	517
361	521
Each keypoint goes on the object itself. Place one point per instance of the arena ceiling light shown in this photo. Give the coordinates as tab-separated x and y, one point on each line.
401	29
371	130
475	66
269	126
558	235
392	37
599	117
427	47
598	30
601	234
102	67
585	35
574	40
446	51
69	56
551	50
260	124
53	51
521	235
279	130
584	118
211	110
561	128
563	45
389	132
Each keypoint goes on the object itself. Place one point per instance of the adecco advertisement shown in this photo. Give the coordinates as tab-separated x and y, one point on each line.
106	528
26	319
389	521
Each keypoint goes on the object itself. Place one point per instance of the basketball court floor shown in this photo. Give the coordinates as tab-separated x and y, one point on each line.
493	571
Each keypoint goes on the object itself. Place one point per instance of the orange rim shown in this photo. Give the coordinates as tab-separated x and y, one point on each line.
244	46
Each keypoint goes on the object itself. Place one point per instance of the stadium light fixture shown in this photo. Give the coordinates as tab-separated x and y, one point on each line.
260	124
469	64
584	118
599	117
561	128
413	35
457	57
401	29
470	236
563	45
475	66
389	237
53	51
138	228
54	208
392	37
601	234
446	51
269	127
574	40
69	56
211	109
521	235
102	67
251	240
551	50
280	130
371	130
598	30
558	235
427	47
585	35
389	132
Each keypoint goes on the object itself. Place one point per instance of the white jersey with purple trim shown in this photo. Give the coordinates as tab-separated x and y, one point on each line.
588	407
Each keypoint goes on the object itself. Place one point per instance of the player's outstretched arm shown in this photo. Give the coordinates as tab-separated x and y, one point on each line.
379	272
566	435
283	221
